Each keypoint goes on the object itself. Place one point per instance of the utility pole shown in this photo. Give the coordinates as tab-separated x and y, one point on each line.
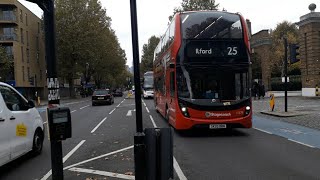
52	80
139	145
285	62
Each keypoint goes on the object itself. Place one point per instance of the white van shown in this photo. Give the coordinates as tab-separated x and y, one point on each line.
21	126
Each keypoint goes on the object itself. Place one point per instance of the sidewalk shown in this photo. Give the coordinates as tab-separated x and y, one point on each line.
64	100
303	111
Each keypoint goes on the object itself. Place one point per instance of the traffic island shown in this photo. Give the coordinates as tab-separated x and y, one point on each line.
284	114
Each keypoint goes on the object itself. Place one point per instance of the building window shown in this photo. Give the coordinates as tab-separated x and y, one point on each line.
27	36
21	33
22	54
38	27
28	72
38	57
37	43
23	74
26	19
21	16
28	55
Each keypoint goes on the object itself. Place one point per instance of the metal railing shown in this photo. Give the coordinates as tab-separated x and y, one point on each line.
8	18
8	37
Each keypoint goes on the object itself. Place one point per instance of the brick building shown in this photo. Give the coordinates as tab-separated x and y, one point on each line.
23	39
309	41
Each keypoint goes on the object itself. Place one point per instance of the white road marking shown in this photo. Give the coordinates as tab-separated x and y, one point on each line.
98	157
154	124
301	143
112	111
178	170
65	158
262	130
129	113
84	106
73	111
118	105
94	129
144	104
147	110
175	162
102	173
75	102
45	177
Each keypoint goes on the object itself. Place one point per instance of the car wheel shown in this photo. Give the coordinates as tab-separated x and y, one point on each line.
37	142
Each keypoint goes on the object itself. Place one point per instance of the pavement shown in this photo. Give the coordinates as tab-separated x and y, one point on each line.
304	111
101	147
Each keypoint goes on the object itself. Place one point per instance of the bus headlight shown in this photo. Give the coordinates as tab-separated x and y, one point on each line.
184	110
248	108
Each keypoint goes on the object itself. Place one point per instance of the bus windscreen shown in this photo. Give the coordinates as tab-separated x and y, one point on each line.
211	25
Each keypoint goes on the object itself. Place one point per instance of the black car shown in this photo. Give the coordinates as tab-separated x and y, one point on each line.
118	93
102	96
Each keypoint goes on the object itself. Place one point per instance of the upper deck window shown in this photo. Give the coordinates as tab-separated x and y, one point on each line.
211	25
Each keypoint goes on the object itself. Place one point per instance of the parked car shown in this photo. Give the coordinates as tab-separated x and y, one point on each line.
102	96
118	93
21	126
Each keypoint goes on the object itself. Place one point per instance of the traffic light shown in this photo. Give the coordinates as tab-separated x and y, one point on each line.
294	53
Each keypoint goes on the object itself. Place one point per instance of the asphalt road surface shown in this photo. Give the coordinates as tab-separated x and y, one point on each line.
101	147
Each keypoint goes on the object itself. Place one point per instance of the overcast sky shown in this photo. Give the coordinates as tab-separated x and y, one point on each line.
153	15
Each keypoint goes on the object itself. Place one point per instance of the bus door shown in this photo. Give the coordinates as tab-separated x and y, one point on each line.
171	94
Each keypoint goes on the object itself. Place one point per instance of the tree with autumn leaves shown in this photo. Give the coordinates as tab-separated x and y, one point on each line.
87	46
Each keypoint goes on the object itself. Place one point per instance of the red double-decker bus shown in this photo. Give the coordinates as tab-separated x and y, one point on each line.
201	71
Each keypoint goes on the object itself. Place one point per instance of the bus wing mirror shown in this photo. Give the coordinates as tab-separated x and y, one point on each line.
171	65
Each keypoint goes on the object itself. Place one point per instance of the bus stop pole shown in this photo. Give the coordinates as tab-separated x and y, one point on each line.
139	145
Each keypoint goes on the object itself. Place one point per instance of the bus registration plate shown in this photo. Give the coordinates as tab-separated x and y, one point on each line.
217	126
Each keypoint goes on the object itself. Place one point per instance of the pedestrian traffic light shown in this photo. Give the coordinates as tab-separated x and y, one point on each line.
294	53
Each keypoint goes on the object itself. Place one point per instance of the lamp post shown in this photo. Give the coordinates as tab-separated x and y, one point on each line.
52	80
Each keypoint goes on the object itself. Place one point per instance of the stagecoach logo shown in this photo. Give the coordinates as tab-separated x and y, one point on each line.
211	114
201	51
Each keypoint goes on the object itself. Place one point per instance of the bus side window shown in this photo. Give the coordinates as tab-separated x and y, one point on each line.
172	84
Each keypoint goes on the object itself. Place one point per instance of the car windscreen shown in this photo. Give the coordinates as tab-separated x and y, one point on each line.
211	25
100	92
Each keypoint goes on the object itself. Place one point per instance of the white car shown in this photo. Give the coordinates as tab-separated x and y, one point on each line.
21	126
148	93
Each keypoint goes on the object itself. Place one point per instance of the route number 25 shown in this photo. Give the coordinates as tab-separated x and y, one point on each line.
232	51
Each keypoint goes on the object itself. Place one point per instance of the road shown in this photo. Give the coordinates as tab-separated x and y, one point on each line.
101	147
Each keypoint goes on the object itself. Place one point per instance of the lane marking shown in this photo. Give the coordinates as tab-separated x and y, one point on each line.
102	173
301	143
84	106
178	170
75	102
112	111
98	157
94	129
118	105
65	158
147	110
144	104
154	124
175	162
262	130
73	111
129	113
